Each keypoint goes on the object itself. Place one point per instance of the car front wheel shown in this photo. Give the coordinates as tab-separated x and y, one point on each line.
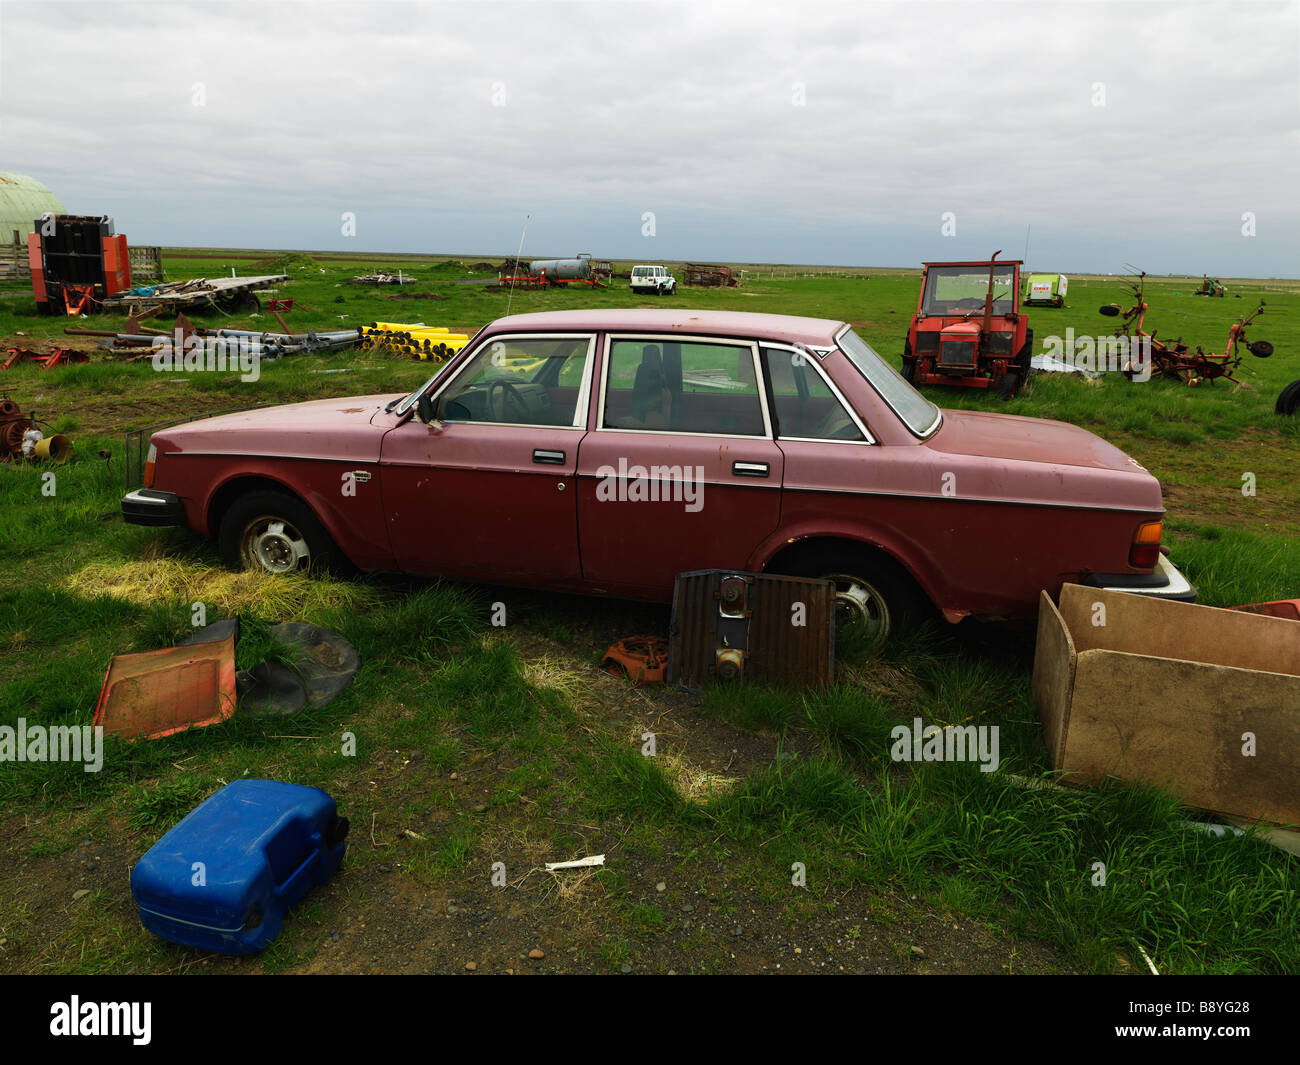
274	533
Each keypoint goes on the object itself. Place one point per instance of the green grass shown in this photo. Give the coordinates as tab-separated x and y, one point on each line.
440	691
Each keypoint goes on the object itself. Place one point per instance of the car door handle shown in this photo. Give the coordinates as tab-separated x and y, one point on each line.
749	469
548	458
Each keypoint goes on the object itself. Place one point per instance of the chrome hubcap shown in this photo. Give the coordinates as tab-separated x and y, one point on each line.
860	609
274	546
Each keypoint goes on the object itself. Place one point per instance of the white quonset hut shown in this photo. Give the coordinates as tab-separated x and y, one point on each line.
22	201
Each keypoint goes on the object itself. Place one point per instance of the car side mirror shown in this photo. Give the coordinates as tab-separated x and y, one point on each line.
1110	310
424	408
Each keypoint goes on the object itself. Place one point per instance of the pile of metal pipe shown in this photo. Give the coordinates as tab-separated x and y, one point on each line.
417	340
263	344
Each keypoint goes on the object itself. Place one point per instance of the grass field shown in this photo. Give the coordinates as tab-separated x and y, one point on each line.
477	744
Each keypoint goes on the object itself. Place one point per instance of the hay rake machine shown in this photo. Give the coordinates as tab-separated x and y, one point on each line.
1176	359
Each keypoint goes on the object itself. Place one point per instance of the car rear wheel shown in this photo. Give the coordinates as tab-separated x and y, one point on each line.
874	598
274	533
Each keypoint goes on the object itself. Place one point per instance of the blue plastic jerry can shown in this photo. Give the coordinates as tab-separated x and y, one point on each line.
223	879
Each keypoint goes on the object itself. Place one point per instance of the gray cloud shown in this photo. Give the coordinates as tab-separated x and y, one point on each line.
689	110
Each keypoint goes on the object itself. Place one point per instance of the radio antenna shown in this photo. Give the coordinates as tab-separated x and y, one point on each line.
514	269
1027	229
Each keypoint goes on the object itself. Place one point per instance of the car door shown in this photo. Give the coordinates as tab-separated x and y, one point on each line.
820	434
485	491
680	471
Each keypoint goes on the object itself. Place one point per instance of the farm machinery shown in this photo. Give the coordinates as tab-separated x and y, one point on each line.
77	262
968	329
1176	359
1045	290
1210	286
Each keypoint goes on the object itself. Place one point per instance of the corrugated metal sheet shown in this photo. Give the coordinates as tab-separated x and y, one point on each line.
729	625
22	200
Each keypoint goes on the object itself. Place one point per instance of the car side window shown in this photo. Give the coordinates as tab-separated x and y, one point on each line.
670	385
803	404
520	381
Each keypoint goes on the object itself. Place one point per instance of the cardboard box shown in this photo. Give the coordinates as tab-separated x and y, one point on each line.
1163	693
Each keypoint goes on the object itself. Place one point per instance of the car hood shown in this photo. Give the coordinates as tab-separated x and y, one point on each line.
323	428
1009	436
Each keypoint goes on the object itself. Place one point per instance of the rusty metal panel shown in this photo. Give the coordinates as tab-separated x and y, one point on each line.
729	625
159	693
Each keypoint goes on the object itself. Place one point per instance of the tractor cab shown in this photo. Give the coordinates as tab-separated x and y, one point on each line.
968	329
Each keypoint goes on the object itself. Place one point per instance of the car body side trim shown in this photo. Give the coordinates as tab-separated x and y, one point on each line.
973	499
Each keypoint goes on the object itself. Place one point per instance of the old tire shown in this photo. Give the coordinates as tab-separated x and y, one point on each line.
1025	359
909	363
1289	401
275	533
874	596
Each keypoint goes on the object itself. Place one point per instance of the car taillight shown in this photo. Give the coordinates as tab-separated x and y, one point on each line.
1146	545
148	466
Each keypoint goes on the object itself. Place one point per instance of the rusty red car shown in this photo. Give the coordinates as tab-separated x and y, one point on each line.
604	452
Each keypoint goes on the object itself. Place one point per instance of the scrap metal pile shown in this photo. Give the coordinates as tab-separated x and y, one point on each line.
1174	358
708	275
44	359
20	439
379	277
144	341
225	293
417	340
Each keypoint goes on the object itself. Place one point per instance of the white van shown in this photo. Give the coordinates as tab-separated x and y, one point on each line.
654	279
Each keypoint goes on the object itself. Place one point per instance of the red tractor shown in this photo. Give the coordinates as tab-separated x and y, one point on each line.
968	329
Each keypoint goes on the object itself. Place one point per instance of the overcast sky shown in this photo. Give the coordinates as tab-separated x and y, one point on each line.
806	131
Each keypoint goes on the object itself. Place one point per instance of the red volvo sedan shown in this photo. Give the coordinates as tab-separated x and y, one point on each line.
604	452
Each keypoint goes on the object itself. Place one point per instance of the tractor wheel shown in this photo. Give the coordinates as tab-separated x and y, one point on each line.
1010	384
909	363
1024	361
1289	401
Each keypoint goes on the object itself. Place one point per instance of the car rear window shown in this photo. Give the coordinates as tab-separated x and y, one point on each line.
918	413
671	385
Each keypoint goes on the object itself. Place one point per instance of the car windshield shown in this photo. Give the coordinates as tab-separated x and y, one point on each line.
961	289
407	402
918	413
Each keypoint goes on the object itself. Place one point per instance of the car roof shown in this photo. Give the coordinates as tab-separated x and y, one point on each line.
812	331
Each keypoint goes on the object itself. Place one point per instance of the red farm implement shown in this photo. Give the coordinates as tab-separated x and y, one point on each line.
77	262
1177	360
45	360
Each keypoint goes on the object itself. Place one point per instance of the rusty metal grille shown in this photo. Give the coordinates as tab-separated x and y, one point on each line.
755	639
958	353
